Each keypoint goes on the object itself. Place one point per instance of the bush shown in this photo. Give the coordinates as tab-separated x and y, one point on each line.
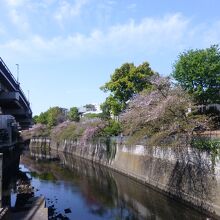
207	144
92	115
112	129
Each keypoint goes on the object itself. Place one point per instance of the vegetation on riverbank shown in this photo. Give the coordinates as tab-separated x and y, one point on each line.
147	106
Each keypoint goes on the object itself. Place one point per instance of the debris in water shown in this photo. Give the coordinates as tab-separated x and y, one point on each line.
67	211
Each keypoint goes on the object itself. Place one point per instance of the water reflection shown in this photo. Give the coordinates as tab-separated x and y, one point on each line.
78	189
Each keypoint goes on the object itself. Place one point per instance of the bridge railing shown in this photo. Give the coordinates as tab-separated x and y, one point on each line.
9	72
15	83
24	97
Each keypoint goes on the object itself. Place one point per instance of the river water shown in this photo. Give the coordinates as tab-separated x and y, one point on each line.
80	190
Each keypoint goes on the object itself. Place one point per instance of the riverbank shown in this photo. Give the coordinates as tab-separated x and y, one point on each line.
188	175
18	199
36	210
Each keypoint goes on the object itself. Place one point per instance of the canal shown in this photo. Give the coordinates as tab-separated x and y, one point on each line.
77	189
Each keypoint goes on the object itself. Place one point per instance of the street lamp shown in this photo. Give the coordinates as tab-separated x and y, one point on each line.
17	72
28	95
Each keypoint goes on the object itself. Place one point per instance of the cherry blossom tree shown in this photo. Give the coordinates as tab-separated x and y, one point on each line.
159	112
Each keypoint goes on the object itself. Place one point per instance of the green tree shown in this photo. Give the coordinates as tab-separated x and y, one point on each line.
90	107
42	118
112	129
55	116
35	119
73	114
124	83
198	72
106	110
111	106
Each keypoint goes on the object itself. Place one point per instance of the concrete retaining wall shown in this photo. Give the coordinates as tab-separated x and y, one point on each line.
187	174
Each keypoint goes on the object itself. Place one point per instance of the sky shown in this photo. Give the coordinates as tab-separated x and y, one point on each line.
67	49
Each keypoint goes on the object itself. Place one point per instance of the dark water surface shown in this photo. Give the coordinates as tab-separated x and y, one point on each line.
79	190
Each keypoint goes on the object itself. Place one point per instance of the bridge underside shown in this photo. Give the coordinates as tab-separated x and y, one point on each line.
11	104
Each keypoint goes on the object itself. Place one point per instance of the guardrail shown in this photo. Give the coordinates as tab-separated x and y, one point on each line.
8	75
15	83
1	60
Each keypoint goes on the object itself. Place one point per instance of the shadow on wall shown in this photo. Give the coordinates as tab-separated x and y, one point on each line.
193	177
188	174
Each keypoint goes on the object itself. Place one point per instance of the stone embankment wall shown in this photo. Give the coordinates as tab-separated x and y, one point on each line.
187	174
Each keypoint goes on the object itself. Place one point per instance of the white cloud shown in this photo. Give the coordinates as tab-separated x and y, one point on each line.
19	19
150	33
16	46
15	3
150	36
67	10
17	12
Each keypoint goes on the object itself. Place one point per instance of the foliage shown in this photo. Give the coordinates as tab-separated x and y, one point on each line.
73	114
106	110
38	130
112	129
111	106
53	116
35	119
198	72
124	83
159	113
90	107
90	127
207	144
92	115
42	118
83	130
92	130
65	130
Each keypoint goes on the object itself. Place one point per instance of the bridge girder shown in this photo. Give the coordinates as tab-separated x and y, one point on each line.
12	98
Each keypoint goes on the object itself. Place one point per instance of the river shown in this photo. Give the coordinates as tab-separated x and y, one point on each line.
77	189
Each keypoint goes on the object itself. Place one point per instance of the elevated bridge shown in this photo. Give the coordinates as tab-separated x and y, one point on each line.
12	99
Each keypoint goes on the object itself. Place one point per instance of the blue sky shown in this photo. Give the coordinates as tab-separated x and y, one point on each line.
67	49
